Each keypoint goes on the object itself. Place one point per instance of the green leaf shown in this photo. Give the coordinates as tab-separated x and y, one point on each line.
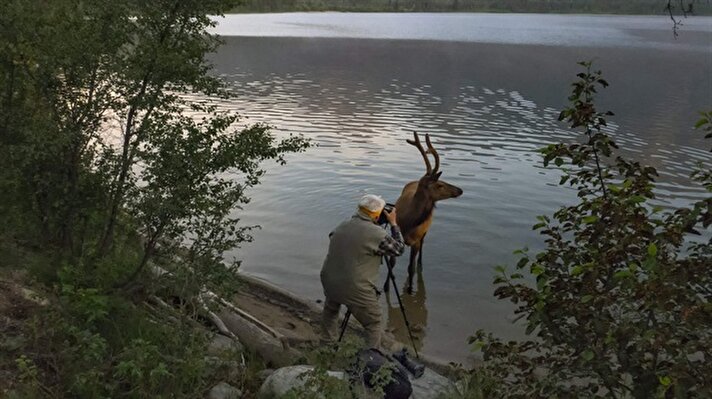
521	251
541	282
665	380
577	270
499	269
638	199
649	264
522	262
652	250
590	219
530	329
625	273
586	298
701	123
587	355
536	269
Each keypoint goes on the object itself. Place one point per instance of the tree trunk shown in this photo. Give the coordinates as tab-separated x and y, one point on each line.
117	196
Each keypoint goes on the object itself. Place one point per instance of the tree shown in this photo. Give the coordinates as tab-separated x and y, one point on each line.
114	154
620	301
96	124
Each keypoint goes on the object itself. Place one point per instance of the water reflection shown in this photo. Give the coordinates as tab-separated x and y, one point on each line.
415	310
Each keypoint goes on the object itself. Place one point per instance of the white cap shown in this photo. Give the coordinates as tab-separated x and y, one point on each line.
371	203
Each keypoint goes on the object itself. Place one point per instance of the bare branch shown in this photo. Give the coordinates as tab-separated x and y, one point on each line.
677	22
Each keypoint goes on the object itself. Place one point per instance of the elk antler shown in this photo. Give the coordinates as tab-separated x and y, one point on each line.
416	142
431	150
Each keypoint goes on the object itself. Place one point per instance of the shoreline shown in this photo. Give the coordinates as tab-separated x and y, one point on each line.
297	318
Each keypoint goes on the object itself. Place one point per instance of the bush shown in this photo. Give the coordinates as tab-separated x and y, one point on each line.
114	156
618	304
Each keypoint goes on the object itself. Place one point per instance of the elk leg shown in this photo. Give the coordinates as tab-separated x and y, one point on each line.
420	254
411	267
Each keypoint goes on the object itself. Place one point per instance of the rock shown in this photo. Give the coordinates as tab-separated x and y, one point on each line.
33	296
232	368
286	378
264	374
224	391
221	344
430	386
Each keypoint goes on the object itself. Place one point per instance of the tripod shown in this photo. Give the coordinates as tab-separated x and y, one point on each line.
390	263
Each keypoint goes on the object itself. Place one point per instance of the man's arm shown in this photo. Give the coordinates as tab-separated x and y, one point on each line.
393	244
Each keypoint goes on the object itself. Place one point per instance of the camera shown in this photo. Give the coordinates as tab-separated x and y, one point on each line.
415	368
382	217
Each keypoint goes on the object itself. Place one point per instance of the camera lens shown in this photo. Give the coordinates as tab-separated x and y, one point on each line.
382	217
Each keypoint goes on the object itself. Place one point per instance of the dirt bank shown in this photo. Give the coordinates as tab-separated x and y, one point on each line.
298	319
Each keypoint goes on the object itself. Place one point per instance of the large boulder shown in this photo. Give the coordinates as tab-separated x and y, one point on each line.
222	344
430	386
286	378
224	391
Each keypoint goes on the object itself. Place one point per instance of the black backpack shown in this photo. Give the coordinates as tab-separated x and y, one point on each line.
369	362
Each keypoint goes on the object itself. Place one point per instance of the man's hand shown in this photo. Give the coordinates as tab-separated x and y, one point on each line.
391	216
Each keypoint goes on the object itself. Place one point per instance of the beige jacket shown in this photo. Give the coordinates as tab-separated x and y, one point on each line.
350	270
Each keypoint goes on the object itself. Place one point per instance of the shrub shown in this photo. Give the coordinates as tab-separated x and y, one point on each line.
618	303
114	156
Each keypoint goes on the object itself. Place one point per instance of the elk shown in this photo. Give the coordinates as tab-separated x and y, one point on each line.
416	204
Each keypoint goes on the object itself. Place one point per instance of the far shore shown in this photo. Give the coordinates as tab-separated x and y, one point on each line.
702	13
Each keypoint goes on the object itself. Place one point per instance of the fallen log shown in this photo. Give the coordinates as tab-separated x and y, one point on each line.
274	351
243	327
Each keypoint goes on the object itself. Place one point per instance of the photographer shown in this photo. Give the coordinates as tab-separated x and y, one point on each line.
350	269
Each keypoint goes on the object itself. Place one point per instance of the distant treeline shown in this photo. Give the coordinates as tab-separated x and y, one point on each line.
698	7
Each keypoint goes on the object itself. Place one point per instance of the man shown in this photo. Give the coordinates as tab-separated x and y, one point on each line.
350	269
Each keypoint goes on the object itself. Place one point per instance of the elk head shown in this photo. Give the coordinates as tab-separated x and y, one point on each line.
430	184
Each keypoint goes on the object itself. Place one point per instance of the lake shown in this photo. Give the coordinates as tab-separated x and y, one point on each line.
488	89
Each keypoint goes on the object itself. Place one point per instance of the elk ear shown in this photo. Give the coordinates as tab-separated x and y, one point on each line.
437	176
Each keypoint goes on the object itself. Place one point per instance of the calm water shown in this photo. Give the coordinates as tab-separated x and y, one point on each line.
359	84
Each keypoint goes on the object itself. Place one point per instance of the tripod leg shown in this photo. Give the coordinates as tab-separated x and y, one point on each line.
402	308
387	286
344	324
